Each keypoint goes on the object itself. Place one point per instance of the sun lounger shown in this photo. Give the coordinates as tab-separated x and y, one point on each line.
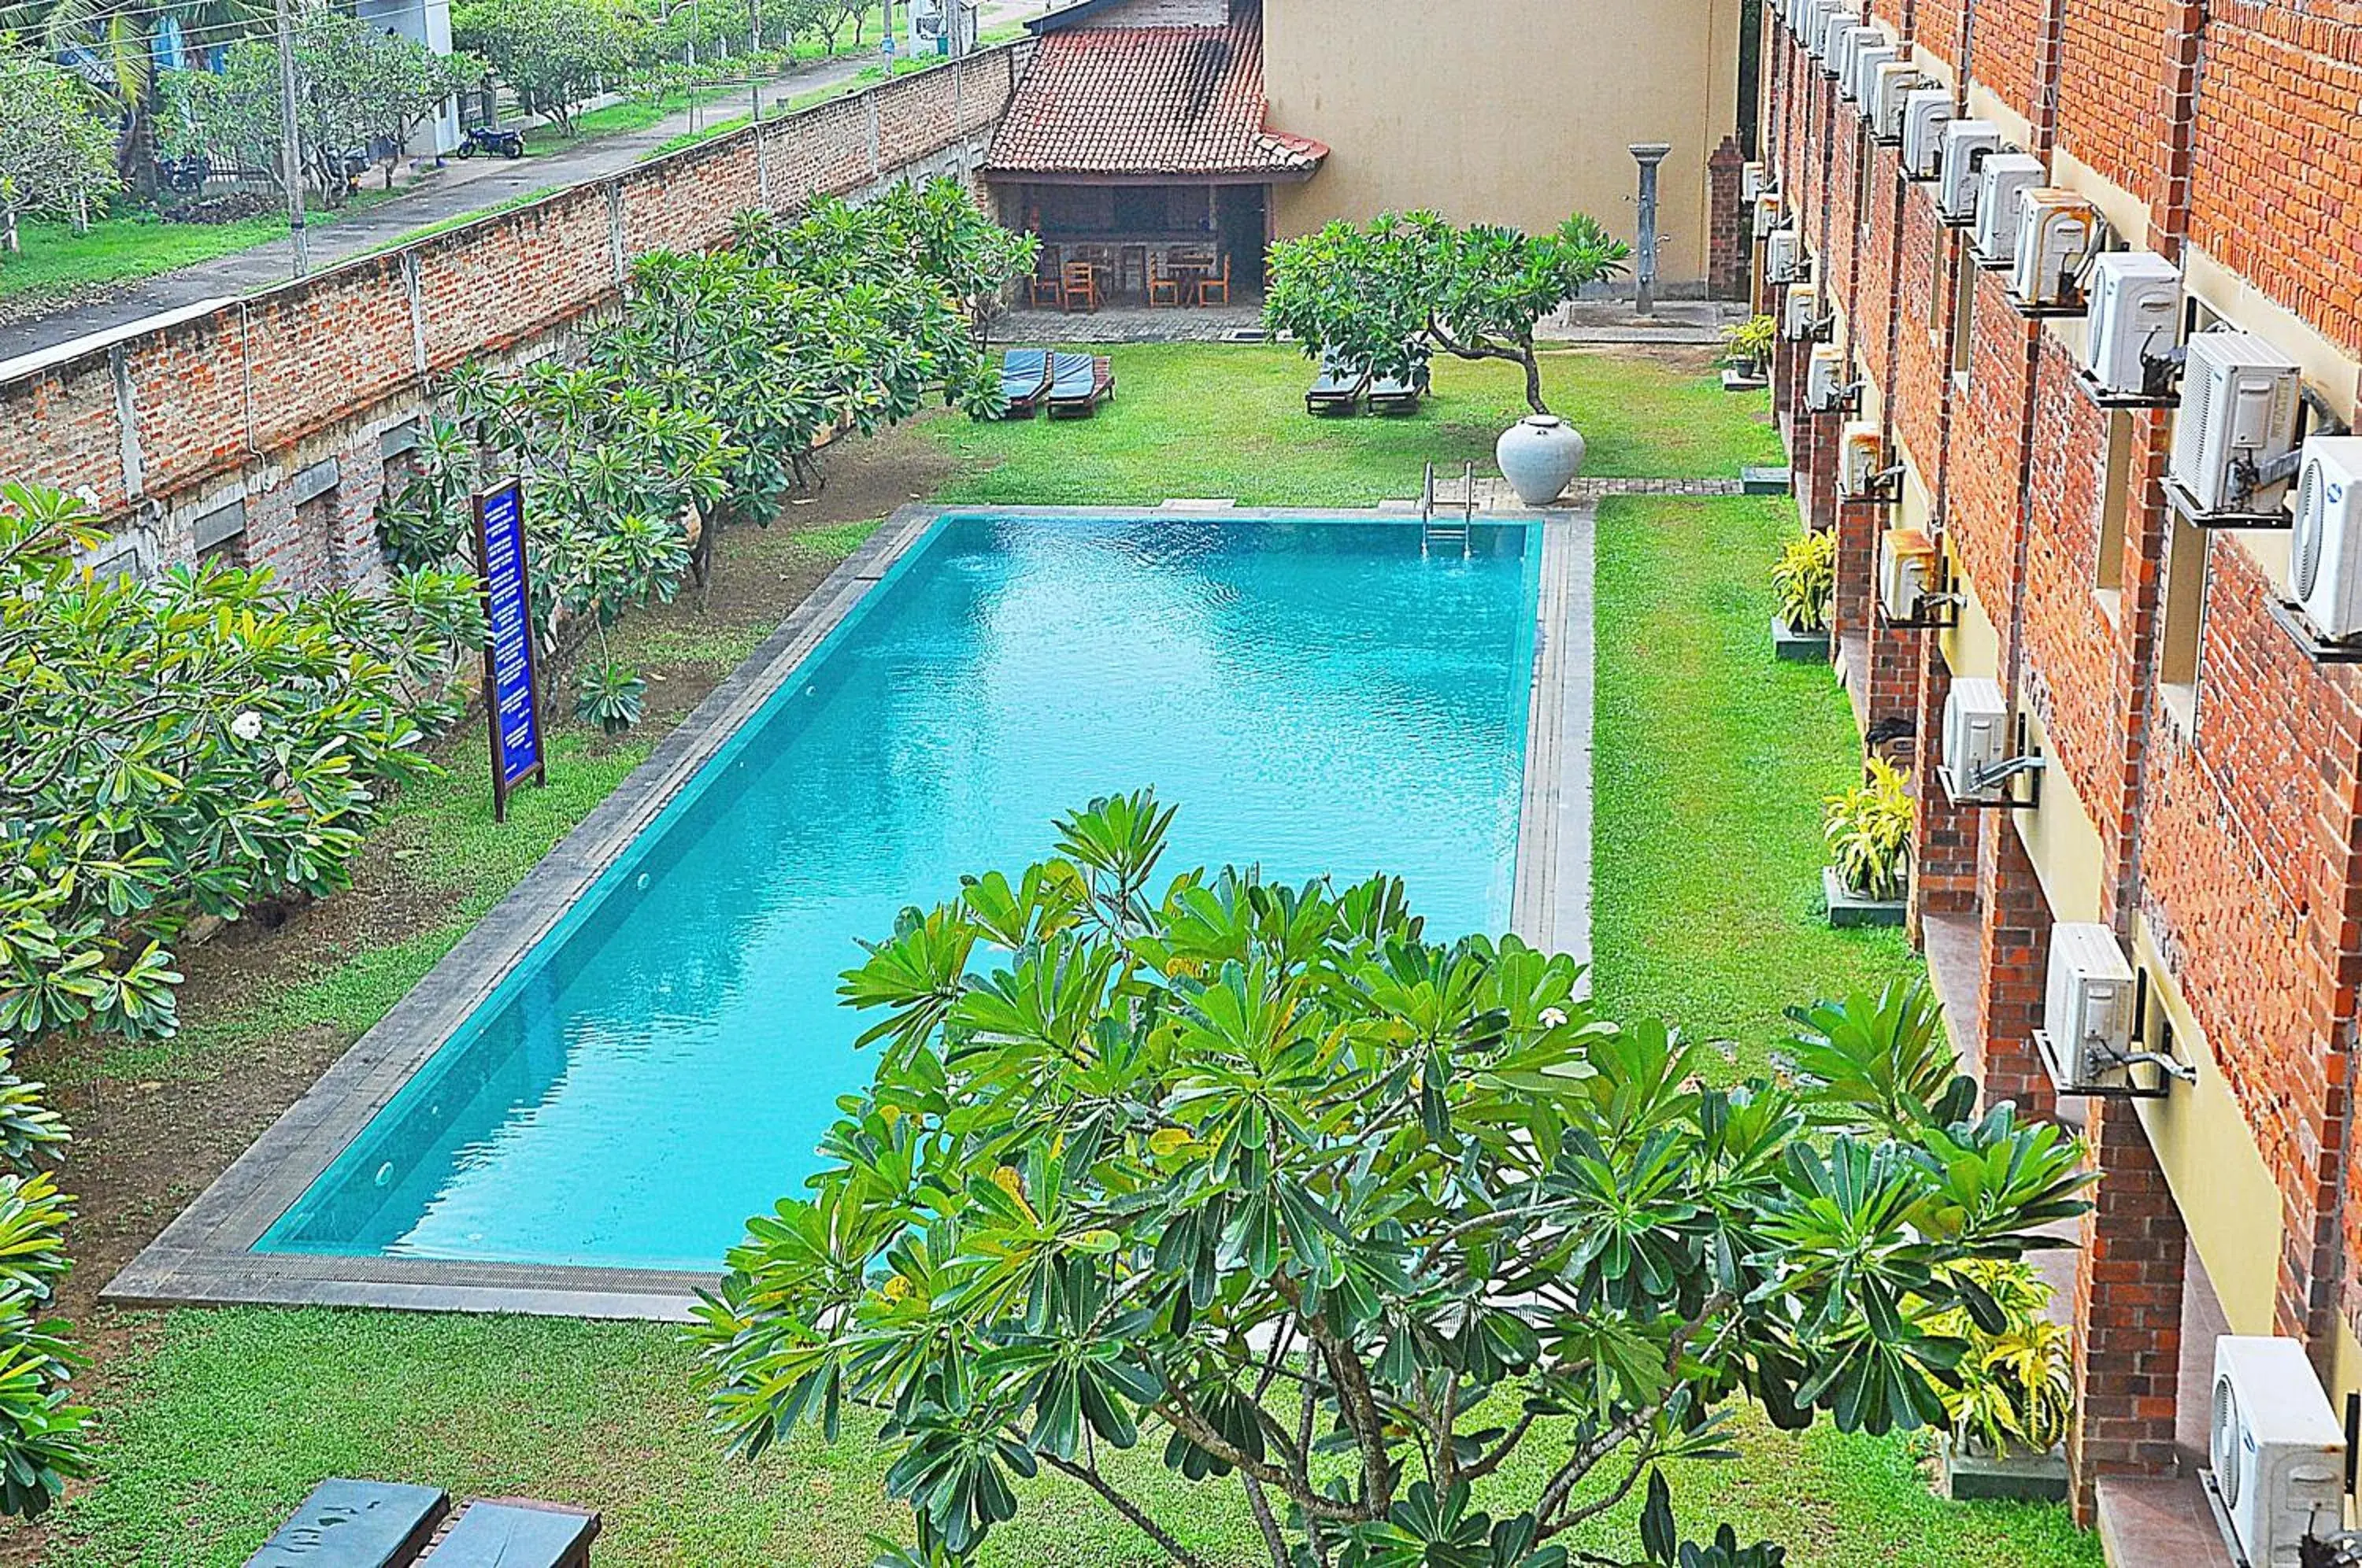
517	1535
1025	381
1399	394
1339	388
356	1524
1078	384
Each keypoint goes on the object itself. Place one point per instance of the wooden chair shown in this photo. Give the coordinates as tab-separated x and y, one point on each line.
1163	288
1082	283
1048	282
1215	282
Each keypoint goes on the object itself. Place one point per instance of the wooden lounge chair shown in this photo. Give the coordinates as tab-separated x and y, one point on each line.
356	1524
1024	381
517	1535
1339	388
1079	383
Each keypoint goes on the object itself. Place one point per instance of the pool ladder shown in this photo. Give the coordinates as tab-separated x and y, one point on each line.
1432	528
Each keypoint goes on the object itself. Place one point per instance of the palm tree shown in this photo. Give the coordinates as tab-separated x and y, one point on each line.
121	36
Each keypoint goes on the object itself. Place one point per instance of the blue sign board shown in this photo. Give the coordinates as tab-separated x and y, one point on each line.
511	699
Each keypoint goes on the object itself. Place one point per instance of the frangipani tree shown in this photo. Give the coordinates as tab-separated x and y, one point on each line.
57	156
1343	1219
1381	295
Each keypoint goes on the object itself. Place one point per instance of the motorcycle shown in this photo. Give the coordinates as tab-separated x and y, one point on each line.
483	139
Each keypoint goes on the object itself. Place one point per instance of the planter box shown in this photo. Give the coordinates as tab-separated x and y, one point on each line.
2021	1478
1764	481
1735	379
1805	647
1849	907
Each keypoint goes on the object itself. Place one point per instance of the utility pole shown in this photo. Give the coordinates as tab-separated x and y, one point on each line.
290	152
754	56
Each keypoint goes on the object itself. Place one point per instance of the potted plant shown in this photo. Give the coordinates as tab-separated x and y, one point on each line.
1803	579
1747	353
2015	1392
1869	832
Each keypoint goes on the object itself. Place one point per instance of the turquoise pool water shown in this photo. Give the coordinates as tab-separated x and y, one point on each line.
1321	696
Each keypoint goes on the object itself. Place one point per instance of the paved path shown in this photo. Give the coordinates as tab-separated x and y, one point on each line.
463	188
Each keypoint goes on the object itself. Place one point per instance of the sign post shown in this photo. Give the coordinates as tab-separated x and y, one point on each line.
512	696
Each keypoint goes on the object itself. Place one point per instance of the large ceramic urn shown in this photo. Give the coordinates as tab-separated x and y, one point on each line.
1539	454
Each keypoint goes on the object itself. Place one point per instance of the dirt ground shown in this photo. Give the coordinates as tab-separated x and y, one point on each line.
144	1148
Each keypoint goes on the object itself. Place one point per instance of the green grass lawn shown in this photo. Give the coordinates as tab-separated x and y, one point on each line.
1711	759
1189	420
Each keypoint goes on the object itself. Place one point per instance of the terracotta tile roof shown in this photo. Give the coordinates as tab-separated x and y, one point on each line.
1147	101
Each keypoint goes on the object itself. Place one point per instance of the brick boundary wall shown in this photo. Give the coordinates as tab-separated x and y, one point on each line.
220	416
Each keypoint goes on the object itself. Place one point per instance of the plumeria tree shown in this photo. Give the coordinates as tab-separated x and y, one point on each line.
1345	1219
58	153
356	83
168	749
1381	295
553	53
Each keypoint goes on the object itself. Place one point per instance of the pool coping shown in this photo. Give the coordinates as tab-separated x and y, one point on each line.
204	1256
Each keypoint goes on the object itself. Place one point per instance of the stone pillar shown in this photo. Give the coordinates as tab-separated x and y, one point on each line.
2128	1290
1943	836
2012	971
1730	227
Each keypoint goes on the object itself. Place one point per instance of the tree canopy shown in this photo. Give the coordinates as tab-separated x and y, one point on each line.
59	152
1344	1217
553	53
1378	296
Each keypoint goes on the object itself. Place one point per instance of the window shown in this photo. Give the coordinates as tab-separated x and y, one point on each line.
2184	620
220	535
1964	314
2116	499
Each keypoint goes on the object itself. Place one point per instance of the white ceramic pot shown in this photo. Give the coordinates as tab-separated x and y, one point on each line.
1538	456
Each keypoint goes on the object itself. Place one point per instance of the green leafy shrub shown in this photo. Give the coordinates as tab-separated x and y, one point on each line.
1869	832
1338	1214
1748	345
168	749
610	696
1805	579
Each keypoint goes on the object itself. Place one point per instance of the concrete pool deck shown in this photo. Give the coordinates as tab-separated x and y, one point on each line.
205	1256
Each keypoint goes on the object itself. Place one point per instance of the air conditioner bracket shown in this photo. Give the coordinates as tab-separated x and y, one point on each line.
2186	506
2311	642
2106	399
2033	312
2166	1073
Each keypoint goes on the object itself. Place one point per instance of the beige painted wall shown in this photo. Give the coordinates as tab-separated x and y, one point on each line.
1503	111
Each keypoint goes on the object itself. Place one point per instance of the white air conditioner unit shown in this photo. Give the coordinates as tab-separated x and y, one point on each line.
1750	181
2325	550
2277	1450
2135	312
1925	111
1838	45
1779	248
1977	739
1967	144
1829	18
2087	1008
1767	213
2001	178
1891	85
2056	231
1861	457
1906	575
1861	80
1824	379
2238	406
1866	40
1801	313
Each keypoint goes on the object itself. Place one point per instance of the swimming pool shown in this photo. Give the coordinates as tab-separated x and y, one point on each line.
1322	695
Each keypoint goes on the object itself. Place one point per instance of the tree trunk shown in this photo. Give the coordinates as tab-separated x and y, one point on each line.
9	241
1533	364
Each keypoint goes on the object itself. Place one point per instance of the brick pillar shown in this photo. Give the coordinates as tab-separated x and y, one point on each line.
1730	234
2012	970
1892	654
1787	366
2127	1312
1854	613
1944	836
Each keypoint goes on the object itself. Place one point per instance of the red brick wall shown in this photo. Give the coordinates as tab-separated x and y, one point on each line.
246	395
2007	51
2278	139
2111	108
